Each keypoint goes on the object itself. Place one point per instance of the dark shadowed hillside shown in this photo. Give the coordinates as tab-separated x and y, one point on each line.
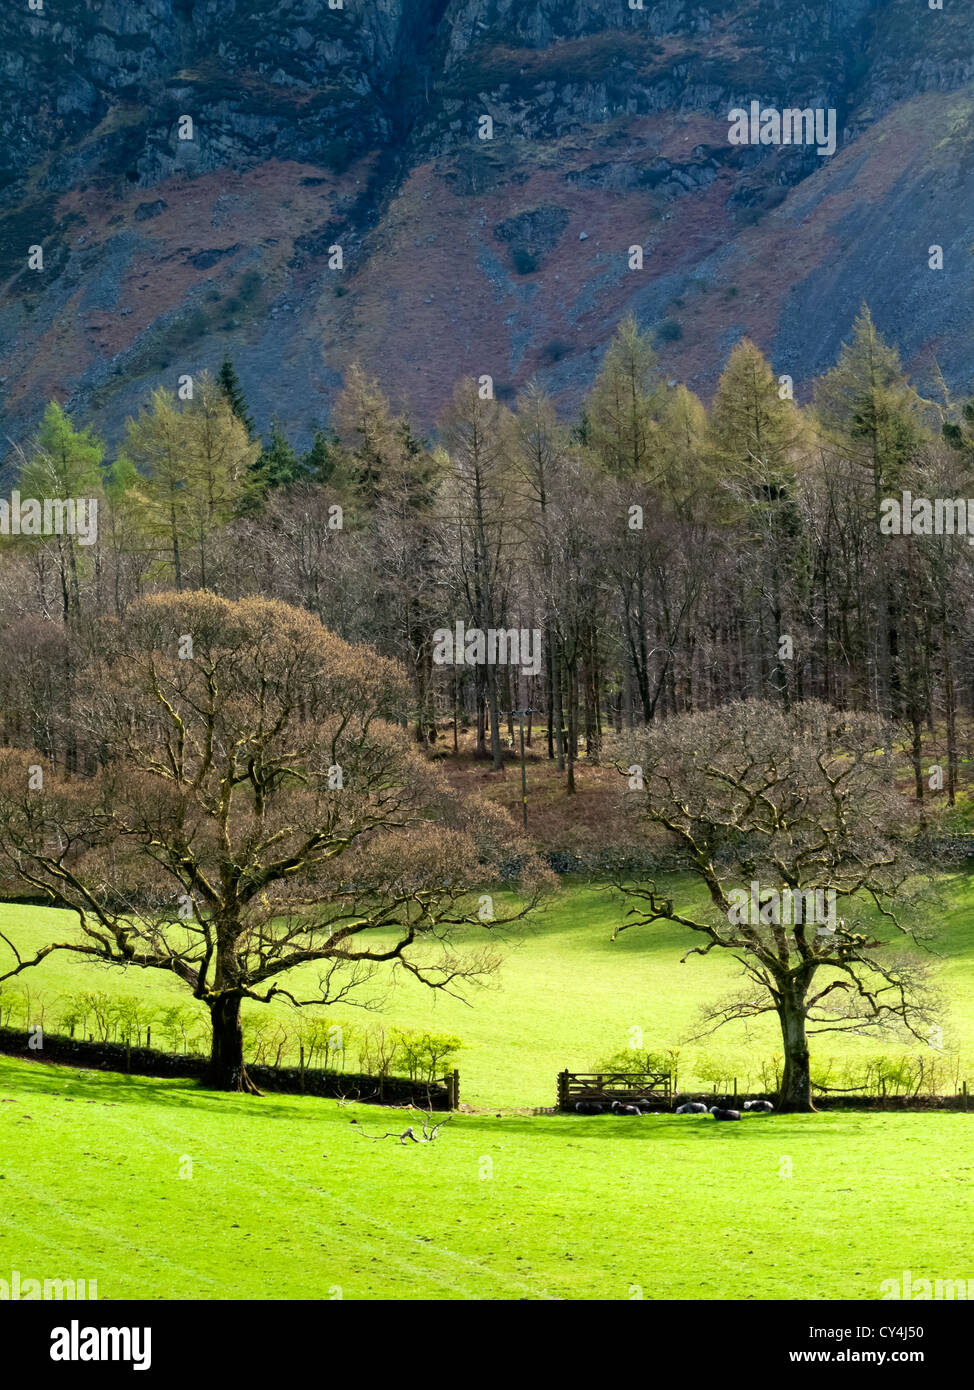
358	127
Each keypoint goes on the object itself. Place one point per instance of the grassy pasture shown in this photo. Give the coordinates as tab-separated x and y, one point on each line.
160	1189
565	996
288	1199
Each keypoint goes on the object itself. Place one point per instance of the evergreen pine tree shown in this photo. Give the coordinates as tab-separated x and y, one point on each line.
319	462
229	384
278	465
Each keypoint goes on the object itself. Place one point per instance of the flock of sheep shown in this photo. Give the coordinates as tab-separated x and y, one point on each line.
692	1107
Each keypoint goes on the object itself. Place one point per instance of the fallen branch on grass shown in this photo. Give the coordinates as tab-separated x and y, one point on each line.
429	1134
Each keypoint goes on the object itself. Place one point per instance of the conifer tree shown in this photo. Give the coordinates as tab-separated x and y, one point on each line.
757	438
229	383
871	415
155	441
867	406
63	463
277	465
319	462
624	404
220	459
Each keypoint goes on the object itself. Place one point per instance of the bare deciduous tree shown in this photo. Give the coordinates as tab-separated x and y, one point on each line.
250	810
791	824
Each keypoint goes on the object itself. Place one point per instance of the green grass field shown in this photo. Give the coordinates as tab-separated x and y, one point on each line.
159	1189
565	997
287	1199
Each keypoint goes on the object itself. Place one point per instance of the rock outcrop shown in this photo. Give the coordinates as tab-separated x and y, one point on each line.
188	168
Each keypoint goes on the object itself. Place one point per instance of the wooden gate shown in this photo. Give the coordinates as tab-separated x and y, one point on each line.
624	1086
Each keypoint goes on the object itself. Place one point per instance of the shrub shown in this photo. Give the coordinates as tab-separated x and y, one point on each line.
378	1050
325	1043
426	1056
640	1059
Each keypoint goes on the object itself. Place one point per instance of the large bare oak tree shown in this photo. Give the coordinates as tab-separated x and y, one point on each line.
249	807
802	804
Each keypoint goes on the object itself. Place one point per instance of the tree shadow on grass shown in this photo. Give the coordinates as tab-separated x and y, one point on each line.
646	1128
40	1078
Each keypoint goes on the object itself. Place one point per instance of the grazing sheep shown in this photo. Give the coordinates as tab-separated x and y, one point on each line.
692	1107
719	1114
590	1107
761	1106
619	1109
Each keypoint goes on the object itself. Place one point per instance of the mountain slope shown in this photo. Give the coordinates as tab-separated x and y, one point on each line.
358	127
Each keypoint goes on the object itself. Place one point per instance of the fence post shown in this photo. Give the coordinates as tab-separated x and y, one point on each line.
562	1090
452	1083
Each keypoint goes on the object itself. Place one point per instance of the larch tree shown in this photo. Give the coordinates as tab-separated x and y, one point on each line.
757	442
366	426
404	548
540	450
476	432
871	416
155	442
63	465
623	406
219	461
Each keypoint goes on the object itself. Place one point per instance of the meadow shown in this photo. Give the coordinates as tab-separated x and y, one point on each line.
284	1197
566	996
291	1196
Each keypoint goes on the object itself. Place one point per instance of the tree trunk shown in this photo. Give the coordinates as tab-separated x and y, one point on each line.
950	703
557	704
796	1081
572	726
227	1070
493	714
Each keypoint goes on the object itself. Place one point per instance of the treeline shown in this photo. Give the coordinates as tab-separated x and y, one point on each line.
672	556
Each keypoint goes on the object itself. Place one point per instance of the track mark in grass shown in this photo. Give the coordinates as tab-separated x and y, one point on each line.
74	1253
370	1222
110	1236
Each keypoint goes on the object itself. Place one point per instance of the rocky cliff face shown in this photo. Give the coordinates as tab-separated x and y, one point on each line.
187	166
